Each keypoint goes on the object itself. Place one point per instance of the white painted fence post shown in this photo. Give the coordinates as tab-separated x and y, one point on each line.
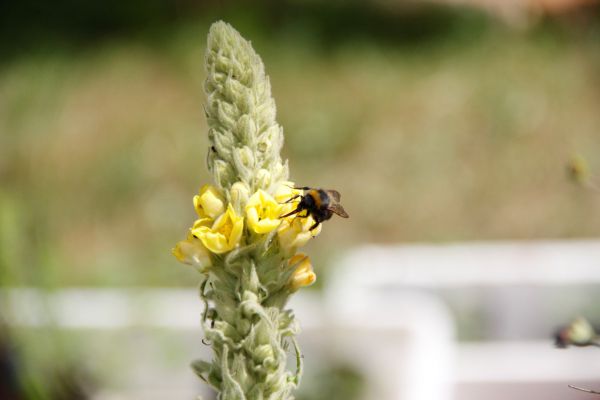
403	341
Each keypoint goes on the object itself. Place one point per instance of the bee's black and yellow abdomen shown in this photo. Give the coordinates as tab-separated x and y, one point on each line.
315	197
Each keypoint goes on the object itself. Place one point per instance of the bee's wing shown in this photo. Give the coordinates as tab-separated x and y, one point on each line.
338	209
335	194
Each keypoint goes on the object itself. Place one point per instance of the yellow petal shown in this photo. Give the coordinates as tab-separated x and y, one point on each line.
296	259
304	274
202	222
262	212
215	242
192	252
209	202
294	232
284	193
224	234
304	279
238	227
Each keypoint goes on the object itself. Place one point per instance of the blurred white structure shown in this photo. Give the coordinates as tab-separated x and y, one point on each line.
380	312
551	262
362	293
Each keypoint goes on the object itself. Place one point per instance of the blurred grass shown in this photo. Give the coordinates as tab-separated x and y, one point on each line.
455	129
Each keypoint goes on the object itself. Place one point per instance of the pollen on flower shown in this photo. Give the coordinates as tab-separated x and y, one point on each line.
262	212
224	234
225	229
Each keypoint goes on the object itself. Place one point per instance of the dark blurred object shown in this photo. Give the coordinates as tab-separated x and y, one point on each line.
32	24
577	169
90	18
10	388
29	24
62	380
71	383
578	172
578	333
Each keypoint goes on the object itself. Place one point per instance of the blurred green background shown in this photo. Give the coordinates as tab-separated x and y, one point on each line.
437	123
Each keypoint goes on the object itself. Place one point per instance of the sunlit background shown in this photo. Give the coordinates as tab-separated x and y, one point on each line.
446	125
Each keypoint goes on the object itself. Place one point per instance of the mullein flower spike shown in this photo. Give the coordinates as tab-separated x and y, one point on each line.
246	139
245	251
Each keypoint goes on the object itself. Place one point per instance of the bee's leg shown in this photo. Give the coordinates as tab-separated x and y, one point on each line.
299	187
301	216
296	211
314	226
291	199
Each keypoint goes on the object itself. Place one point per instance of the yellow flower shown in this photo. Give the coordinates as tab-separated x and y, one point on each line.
192	252
284	193
294	232
262	212
224	234
202	222
209	202
303	274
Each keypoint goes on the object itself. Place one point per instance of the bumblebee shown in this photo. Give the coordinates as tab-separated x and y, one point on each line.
320	204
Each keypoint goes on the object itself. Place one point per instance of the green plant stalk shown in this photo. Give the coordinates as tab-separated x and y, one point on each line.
246	289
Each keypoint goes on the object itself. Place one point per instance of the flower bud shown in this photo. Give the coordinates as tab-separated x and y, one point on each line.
303	274
239	194
262	179
221	142
246	130
209	202
222	173
244	162
225	114
578	333
192	252
262	352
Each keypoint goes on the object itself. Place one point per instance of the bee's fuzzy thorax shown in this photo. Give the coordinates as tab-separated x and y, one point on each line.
316	197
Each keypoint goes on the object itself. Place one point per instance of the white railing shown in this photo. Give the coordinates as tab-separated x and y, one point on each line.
372	314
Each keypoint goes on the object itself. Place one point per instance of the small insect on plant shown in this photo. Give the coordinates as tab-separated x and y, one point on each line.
320	204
